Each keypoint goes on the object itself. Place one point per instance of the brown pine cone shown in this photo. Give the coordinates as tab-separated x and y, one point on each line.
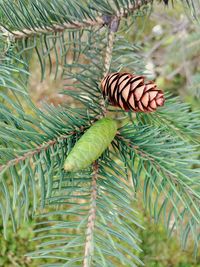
129	92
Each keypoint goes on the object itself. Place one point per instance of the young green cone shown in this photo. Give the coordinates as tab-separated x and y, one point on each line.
91	145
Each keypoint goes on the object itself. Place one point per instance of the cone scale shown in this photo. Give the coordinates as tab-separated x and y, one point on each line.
130	92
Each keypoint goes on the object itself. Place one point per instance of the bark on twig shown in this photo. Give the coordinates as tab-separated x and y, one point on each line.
89	244
98	22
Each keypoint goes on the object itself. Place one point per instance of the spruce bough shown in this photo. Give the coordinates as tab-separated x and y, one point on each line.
88	217
91	145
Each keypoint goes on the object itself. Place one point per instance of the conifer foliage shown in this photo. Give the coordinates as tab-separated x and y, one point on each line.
89	217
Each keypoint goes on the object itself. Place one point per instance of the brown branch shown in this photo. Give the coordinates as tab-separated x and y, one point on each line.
98	22
35	151
89	244
113	27
108	56
53	29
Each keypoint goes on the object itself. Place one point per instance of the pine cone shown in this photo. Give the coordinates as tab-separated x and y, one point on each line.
129	92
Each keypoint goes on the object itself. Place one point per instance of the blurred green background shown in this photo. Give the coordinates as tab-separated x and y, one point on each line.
171	45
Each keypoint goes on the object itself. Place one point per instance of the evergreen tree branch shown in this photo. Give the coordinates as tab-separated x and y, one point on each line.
35	168
48	35
113	27
89	246
27	33
99	21
114	241
139	151
35	151
109	49
108	55
86	228
177	118
170	183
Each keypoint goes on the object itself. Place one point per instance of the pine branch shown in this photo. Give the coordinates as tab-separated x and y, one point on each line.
160	168
114	241
99	21
86	228
35	151
109	49
89	246
45	138
113	27
53	40
169	183
170	176
27	33
177	118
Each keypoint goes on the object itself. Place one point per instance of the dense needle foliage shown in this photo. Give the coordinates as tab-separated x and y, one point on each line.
90	217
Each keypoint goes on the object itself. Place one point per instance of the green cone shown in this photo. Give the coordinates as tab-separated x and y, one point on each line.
91	145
